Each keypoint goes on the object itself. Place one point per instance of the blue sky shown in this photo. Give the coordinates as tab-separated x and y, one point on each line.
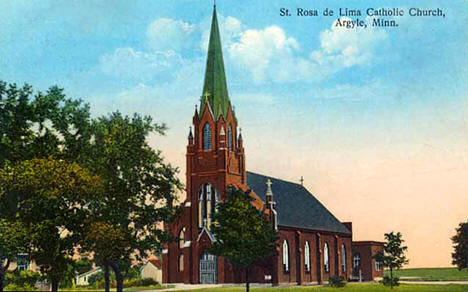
353	111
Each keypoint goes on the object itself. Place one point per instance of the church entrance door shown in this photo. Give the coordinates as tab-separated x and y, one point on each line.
208	269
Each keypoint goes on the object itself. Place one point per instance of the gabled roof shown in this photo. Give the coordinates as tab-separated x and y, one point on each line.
295	205
215	91
90	272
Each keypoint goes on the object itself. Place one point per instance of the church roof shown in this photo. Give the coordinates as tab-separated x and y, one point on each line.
215	87
295	205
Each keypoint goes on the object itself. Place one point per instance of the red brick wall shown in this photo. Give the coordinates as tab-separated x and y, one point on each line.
296	242
367	250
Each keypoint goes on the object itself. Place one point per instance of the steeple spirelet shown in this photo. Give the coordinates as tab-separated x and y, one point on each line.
215	86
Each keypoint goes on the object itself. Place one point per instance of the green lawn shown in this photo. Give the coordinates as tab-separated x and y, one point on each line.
142	288
154	287
432	274
352	287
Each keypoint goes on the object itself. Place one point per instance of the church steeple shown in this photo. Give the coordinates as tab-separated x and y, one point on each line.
215	87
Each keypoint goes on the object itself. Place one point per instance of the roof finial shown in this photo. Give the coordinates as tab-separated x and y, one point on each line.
302	180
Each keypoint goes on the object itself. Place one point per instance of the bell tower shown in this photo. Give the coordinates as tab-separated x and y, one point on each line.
215	159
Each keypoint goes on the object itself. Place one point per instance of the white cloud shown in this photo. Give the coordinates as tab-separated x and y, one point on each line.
258	50
165	34
343	48
270	54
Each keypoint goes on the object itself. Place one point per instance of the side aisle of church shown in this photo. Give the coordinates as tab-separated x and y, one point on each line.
313	244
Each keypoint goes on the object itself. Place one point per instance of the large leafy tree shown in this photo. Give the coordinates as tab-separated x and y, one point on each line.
460	245
13	241
393	254
52	198
243	234
37	125
138	194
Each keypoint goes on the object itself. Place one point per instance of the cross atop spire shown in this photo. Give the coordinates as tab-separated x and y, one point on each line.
215	78
269	183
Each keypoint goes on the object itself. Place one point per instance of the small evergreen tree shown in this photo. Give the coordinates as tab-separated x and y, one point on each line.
460	245
244	236
393	254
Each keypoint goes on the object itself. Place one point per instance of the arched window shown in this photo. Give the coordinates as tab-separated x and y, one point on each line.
285	256
207	201
307	256
326	258
230	143
201	207
181	263
357	260
209	205
343	258
206	137
182	238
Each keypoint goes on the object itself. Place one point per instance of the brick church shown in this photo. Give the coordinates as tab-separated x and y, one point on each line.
313	244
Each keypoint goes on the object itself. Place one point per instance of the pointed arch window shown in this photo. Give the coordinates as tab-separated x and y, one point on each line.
206	137
209	205
182	238
326	258
343	258
307	257
201	207
181	263
285	256
208	198
230	142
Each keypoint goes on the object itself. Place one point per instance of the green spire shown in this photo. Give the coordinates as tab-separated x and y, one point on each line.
215	87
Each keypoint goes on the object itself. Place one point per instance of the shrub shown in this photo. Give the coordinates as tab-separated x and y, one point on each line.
14	287
131	283
387	281
22	279
136	282
93	279
336	282
148	282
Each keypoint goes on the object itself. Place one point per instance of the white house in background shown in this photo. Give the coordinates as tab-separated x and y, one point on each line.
83	279
152	269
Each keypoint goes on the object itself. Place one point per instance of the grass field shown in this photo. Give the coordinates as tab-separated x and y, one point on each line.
353	287
432	274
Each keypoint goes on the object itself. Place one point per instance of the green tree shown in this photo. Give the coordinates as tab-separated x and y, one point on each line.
42	125
460	246
244	235
139	189
37	125
13	241
52	197
393	254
